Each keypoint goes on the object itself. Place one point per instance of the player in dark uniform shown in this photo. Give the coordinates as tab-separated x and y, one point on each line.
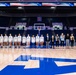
47	40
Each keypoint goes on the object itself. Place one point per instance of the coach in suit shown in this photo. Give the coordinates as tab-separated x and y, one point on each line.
47	40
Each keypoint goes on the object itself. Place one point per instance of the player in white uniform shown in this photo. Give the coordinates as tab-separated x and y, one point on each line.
41	40
10	39
15	40
24	40
19	40
1	40
28	40
5	40
37	40
33	40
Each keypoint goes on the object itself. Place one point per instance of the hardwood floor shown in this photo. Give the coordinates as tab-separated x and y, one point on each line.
8	55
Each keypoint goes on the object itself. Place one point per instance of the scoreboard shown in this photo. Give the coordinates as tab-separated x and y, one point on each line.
8	4
37	0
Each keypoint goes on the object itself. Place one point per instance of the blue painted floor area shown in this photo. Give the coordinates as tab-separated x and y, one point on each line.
47	67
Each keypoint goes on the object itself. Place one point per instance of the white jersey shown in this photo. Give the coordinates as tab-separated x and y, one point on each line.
15	39
23	39
41	39
33	39
5	38
37	38
19	38
10	39
1	39
28	38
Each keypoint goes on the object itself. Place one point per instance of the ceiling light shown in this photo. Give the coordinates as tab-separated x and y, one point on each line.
20	7
53	7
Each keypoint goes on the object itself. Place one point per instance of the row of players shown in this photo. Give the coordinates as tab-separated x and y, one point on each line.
17	40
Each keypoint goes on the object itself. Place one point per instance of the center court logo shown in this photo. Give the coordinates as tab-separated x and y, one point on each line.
41	66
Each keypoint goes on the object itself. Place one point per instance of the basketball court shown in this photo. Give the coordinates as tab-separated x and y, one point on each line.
37	37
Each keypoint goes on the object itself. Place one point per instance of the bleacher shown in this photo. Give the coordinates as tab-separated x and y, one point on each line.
62	31
13	32
35	32
31	32
2	31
